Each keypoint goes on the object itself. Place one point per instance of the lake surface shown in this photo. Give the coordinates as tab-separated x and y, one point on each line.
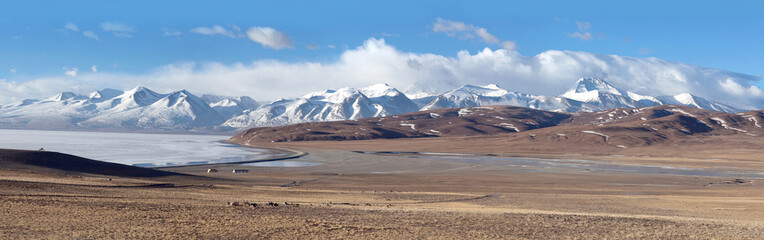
138	149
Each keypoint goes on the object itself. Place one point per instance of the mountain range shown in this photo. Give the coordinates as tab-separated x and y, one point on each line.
145	110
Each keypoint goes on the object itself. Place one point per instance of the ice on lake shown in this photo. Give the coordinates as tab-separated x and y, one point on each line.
138	149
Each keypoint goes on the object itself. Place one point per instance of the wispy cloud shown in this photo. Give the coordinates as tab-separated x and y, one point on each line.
583	32
469	31
94	68
72	72
90	34
71	26
214	30
170	32
119	29
313	46
13	70
270	38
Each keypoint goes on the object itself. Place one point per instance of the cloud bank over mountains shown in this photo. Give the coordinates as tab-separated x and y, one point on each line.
547	73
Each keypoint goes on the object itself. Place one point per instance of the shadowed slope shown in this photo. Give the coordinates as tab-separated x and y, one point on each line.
46	161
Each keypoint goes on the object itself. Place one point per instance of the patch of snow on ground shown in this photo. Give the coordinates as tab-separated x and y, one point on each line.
435	131
500	118
464	112
597	133
724	124
643	118
704	123
434	115
753	119
411	125
560	134
682	112
508	125
621	146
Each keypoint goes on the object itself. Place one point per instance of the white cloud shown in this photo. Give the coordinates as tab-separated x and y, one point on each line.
509	45
214	30
313	46
548	73
94	68
119	29
72	72
71	26
90	34
13	70
171	32
583	36
469	31
582	33
733	87
269	37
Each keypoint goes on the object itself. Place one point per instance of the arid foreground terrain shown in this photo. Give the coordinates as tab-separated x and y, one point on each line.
706	183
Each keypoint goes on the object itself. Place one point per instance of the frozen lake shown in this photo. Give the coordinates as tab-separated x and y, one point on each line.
138	149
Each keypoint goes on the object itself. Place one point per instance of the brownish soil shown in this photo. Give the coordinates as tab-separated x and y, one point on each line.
362	196
666	125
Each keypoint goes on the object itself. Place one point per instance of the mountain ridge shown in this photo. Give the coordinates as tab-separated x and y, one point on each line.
143	109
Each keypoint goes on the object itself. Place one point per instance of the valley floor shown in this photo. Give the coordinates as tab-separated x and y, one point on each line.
355	195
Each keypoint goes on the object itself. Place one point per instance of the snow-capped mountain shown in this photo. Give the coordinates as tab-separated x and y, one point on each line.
136	109
597	92
474	96
329	105
587	94
143	109
697	102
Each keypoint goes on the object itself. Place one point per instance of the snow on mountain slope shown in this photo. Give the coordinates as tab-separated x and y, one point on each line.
474	96
62	111
329	105
177	110
228	107
600	93
143	109
103	95
138	108
697	102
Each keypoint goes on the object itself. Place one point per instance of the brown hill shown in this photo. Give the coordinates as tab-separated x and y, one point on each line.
621	127
64	163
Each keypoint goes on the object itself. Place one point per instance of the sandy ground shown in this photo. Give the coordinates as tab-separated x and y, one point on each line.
361	196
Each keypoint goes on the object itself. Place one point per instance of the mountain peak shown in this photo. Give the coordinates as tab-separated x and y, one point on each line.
589	84
492	86
379	90
63	96
106	93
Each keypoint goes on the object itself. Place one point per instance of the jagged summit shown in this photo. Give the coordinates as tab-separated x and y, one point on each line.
589	84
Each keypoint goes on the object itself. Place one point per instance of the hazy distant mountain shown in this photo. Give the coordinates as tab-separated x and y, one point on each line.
228	107
139	108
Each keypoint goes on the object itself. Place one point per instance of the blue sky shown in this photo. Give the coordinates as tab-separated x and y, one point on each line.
139	37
